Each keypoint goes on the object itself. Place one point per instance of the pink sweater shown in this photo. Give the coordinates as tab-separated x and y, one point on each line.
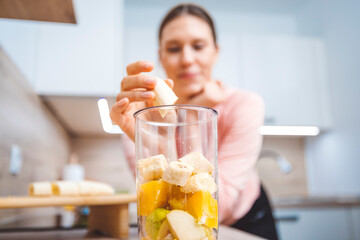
239	145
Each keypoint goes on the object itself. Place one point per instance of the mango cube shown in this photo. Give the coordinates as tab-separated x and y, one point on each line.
152	195
204	208
176	198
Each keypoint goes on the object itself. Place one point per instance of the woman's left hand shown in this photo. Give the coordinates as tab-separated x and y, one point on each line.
212	94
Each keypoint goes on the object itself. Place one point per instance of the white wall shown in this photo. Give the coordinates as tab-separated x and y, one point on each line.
17	38
333	158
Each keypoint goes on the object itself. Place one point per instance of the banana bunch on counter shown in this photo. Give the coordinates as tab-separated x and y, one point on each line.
176	199
70	188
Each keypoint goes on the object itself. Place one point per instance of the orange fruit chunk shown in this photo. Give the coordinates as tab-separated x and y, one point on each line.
203	207
176	198
151	195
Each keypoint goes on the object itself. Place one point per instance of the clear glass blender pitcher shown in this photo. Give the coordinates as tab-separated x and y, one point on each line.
176	172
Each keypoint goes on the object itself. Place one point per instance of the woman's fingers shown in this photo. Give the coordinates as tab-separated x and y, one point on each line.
136	96
118	109
137	81
141	81
138	67
169	82
119	115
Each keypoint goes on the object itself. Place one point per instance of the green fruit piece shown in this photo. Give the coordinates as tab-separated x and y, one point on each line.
154	222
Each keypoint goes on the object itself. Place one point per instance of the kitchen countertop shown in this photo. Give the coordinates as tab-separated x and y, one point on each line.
315	201
225	233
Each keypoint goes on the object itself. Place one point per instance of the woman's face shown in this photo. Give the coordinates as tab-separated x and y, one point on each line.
187	53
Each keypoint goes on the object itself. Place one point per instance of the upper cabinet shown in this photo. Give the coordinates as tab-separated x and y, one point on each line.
290	74
81	59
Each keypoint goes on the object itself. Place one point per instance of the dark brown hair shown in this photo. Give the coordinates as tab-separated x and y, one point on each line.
188	9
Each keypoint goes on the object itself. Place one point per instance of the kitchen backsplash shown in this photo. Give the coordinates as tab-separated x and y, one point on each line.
103	160
44	144
276	182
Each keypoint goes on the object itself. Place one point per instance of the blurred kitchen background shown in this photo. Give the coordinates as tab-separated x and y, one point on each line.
302	56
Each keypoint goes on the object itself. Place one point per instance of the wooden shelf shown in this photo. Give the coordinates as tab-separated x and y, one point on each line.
108	214
28	202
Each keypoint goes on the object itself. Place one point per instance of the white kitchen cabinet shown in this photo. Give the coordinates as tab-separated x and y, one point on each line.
83	58
290	74
315	223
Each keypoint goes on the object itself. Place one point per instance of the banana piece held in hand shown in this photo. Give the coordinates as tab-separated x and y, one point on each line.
198	162
177	173
152	168
164	95
199	182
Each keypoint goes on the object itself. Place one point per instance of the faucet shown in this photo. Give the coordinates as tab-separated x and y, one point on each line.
284	164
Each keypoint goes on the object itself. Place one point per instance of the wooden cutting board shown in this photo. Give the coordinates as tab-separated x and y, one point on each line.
28	202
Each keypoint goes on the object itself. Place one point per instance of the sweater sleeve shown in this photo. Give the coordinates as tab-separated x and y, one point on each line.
239	147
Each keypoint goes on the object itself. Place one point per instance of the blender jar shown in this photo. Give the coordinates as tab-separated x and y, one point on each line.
176	172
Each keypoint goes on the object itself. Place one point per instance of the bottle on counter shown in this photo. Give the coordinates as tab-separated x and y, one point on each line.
72	171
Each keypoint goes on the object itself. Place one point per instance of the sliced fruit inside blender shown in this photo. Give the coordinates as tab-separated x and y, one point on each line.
183	226
180	205
156	224
204	208
153	194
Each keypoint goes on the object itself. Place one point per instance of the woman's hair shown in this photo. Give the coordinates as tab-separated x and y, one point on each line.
188	9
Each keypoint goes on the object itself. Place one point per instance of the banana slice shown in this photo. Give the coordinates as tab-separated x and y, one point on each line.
198	162
65	188
92	188
199	182
40	189
177	173
164	95
152	168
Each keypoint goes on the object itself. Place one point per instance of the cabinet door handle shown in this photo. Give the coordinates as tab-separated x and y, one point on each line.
292	218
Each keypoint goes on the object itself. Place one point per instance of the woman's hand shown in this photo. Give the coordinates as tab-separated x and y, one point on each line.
212	94
136	93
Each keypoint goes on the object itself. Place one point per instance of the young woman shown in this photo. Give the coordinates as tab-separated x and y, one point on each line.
188	51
